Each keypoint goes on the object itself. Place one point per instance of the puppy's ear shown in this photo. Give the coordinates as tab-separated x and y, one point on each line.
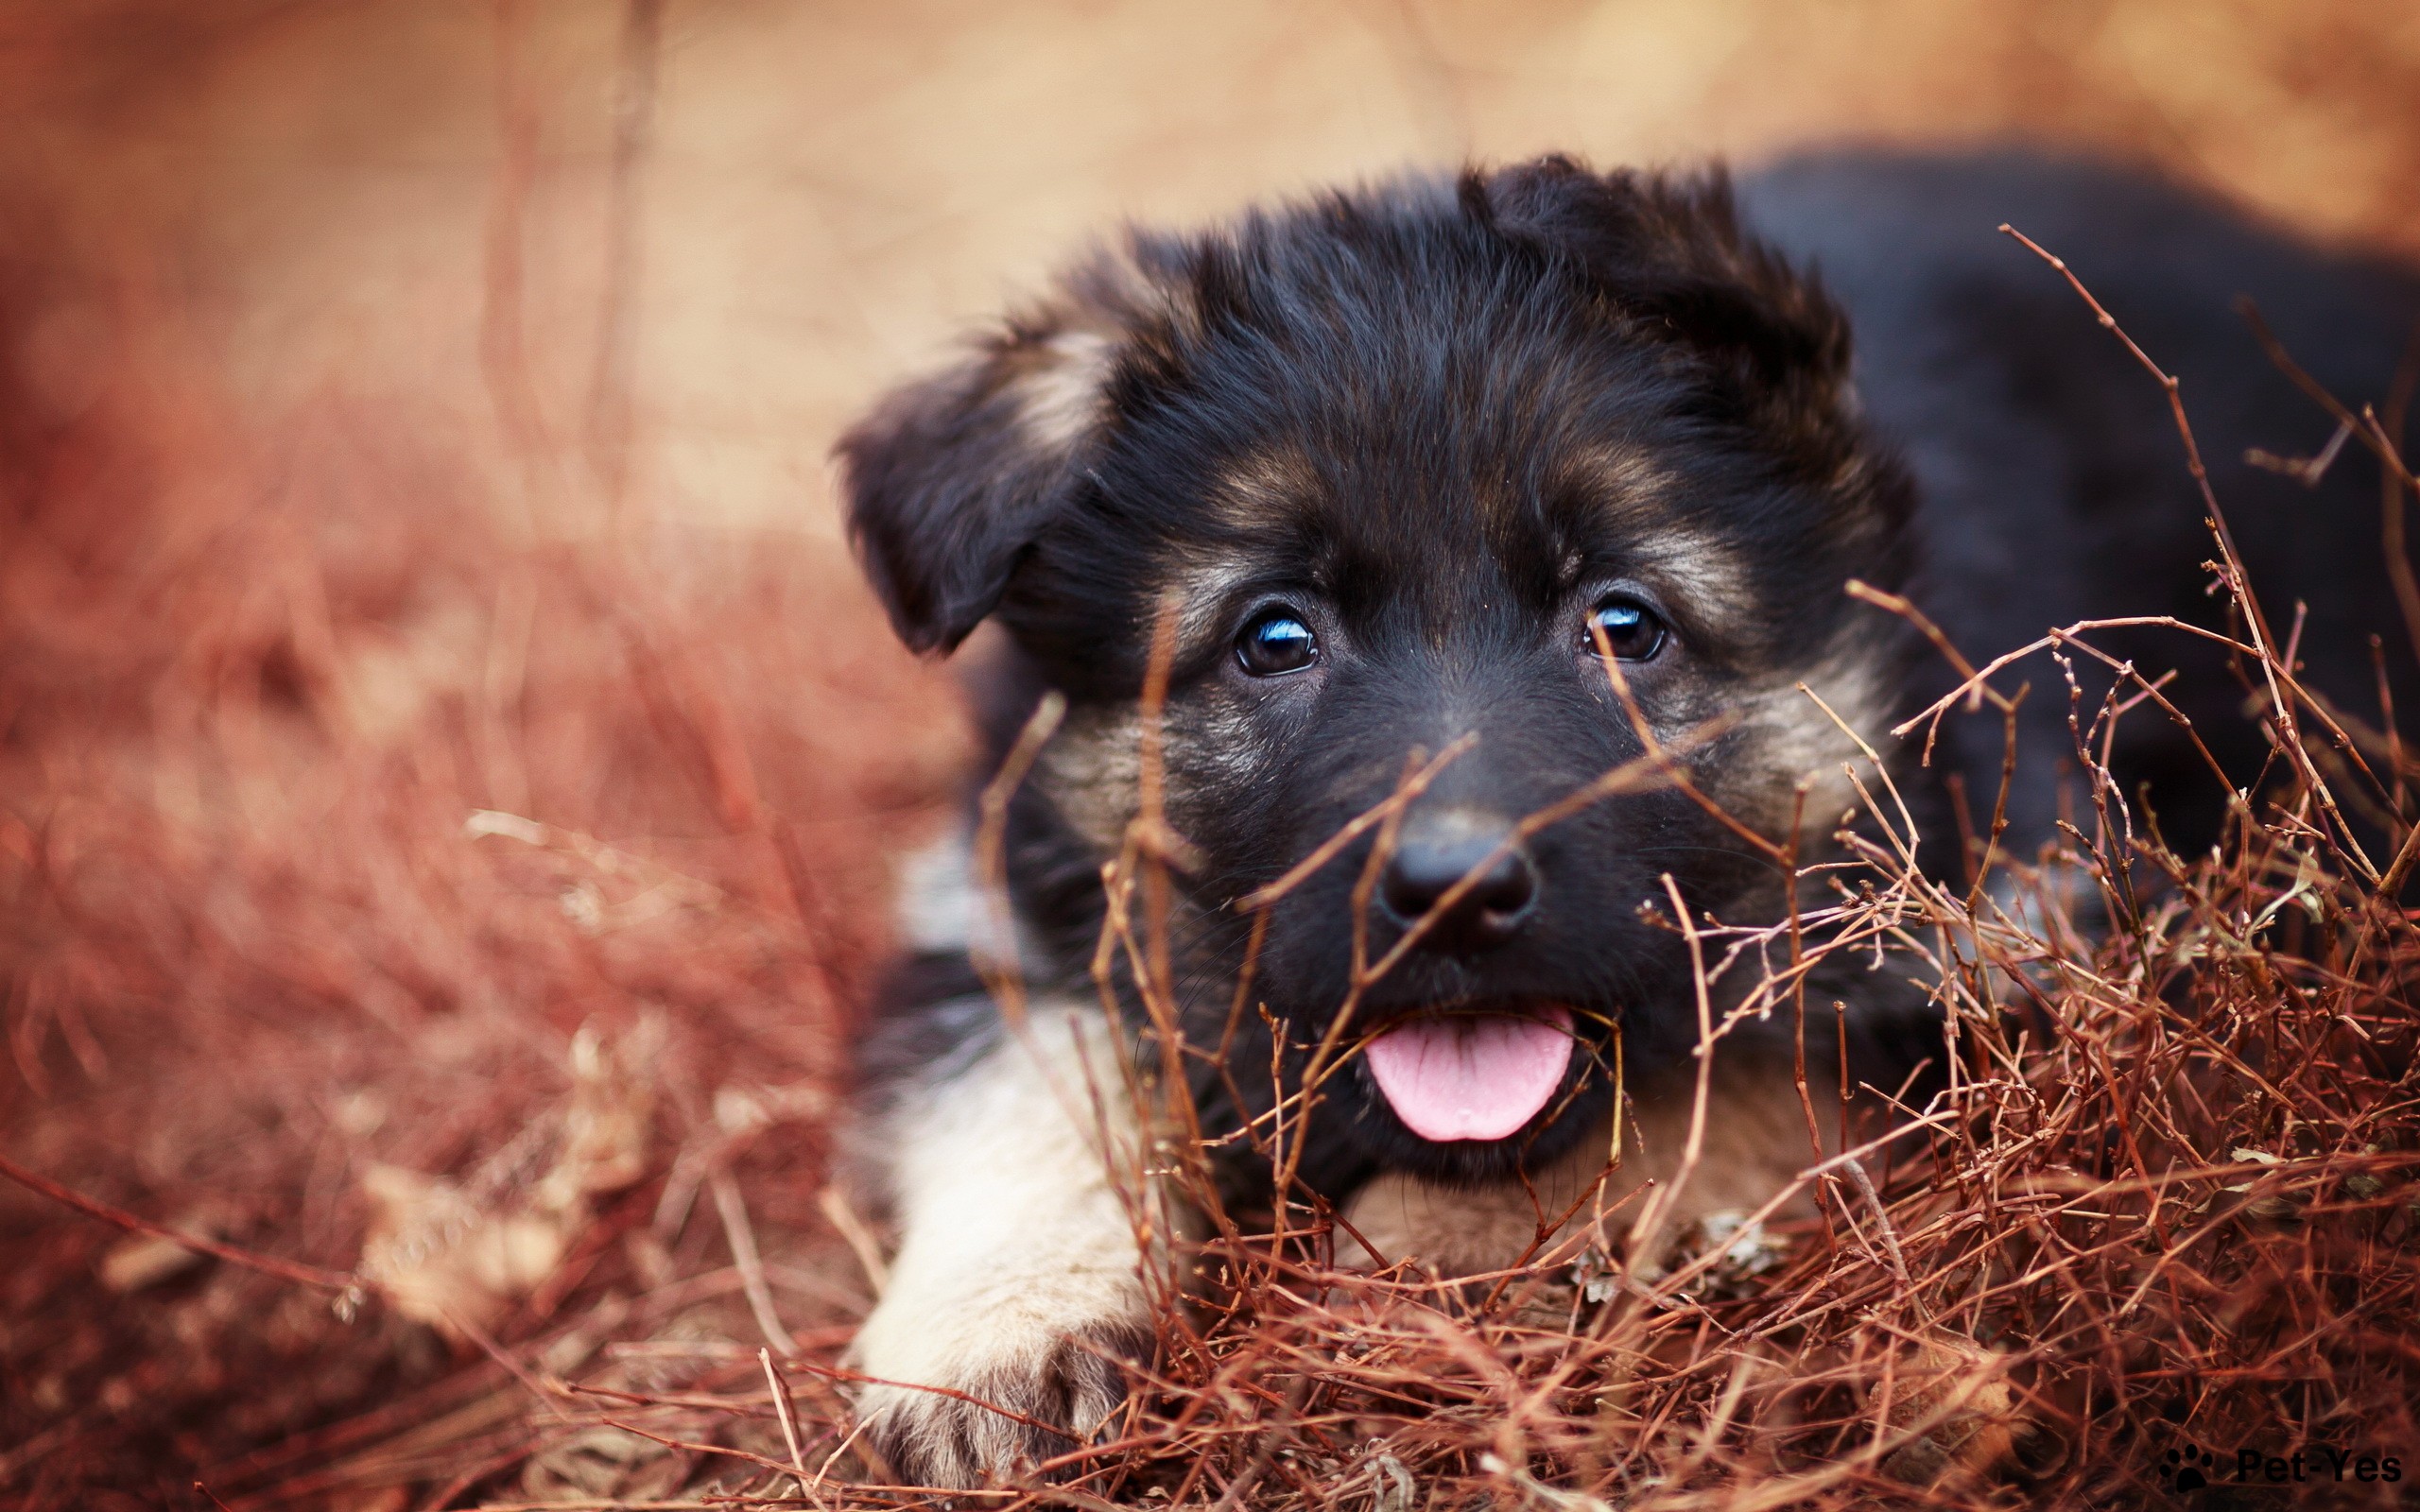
952	478
1669	254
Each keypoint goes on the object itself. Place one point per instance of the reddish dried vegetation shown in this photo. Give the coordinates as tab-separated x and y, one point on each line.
254	686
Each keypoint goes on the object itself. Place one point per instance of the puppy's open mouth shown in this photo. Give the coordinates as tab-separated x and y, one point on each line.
1472	1076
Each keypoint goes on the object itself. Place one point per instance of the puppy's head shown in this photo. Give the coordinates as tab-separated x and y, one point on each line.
1405	461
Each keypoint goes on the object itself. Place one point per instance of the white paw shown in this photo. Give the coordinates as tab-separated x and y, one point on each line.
1039	1360
1018	1285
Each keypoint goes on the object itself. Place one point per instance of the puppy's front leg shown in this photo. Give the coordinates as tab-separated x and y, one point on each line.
1019	1267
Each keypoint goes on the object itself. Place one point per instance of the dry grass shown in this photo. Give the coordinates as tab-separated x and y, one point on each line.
307	753
471	918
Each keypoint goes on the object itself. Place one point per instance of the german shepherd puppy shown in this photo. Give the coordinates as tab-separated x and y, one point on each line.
1550	470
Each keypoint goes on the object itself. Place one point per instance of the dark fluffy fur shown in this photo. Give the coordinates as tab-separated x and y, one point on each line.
2054	484
1440	417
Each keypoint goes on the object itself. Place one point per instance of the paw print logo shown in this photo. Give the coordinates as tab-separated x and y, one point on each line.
2187	1469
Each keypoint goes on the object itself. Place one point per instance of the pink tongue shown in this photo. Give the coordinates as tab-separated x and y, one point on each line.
1472	1078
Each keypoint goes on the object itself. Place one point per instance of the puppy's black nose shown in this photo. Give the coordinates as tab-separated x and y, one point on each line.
1436	851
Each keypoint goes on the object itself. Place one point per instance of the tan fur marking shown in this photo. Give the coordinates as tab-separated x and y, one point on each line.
1098	308
1799	741
1115	283
1755	1143
1628	480
1702	578
1264	485
1093	770
1062	396
1204	585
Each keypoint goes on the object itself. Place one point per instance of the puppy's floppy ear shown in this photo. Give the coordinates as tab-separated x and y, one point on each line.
952	478
1668	253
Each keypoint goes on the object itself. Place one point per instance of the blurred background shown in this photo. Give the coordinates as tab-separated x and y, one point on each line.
449	772
720	224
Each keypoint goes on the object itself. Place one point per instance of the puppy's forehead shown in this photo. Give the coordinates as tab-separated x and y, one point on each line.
1444	440
1394	518
1485	406
1522	496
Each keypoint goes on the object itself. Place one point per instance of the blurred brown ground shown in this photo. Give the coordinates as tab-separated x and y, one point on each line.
409	407
827	191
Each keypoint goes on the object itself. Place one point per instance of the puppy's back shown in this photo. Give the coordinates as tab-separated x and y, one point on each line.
2053	483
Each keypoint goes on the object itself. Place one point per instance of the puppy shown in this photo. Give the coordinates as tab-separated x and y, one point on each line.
1554	474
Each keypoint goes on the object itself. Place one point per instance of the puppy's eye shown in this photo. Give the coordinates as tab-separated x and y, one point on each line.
1631	629
1274	643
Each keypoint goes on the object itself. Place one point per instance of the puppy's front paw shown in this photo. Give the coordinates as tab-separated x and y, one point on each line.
1043	1380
